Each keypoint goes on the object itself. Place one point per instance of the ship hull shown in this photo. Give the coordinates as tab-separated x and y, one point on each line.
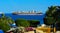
27	14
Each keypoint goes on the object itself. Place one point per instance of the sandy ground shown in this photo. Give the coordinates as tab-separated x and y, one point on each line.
29	32
41	32
36	32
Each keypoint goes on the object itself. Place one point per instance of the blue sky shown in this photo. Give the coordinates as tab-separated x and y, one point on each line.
8	6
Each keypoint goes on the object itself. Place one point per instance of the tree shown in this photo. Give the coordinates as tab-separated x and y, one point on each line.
56	14
4	26
53	17
4	22
49	18
50	11
53	12
22	22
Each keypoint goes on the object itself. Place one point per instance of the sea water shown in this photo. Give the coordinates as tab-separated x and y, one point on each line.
27	17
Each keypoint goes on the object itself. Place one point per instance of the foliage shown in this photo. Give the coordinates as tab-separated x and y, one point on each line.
52	15
4	26
22	22
50	11
26	23
34	23
56	14
4	22
49	20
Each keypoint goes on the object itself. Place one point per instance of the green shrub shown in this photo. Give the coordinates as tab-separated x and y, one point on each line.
22	22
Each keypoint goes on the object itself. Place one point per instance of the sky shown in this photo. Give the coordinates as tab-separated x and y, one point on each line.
9	6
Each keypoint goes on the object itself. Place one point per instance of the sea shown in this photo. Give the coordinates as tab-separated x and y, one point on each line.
27	17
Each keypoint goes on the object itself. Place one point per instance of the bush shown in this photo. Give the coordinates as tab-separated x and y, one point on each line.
34	23
22	22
